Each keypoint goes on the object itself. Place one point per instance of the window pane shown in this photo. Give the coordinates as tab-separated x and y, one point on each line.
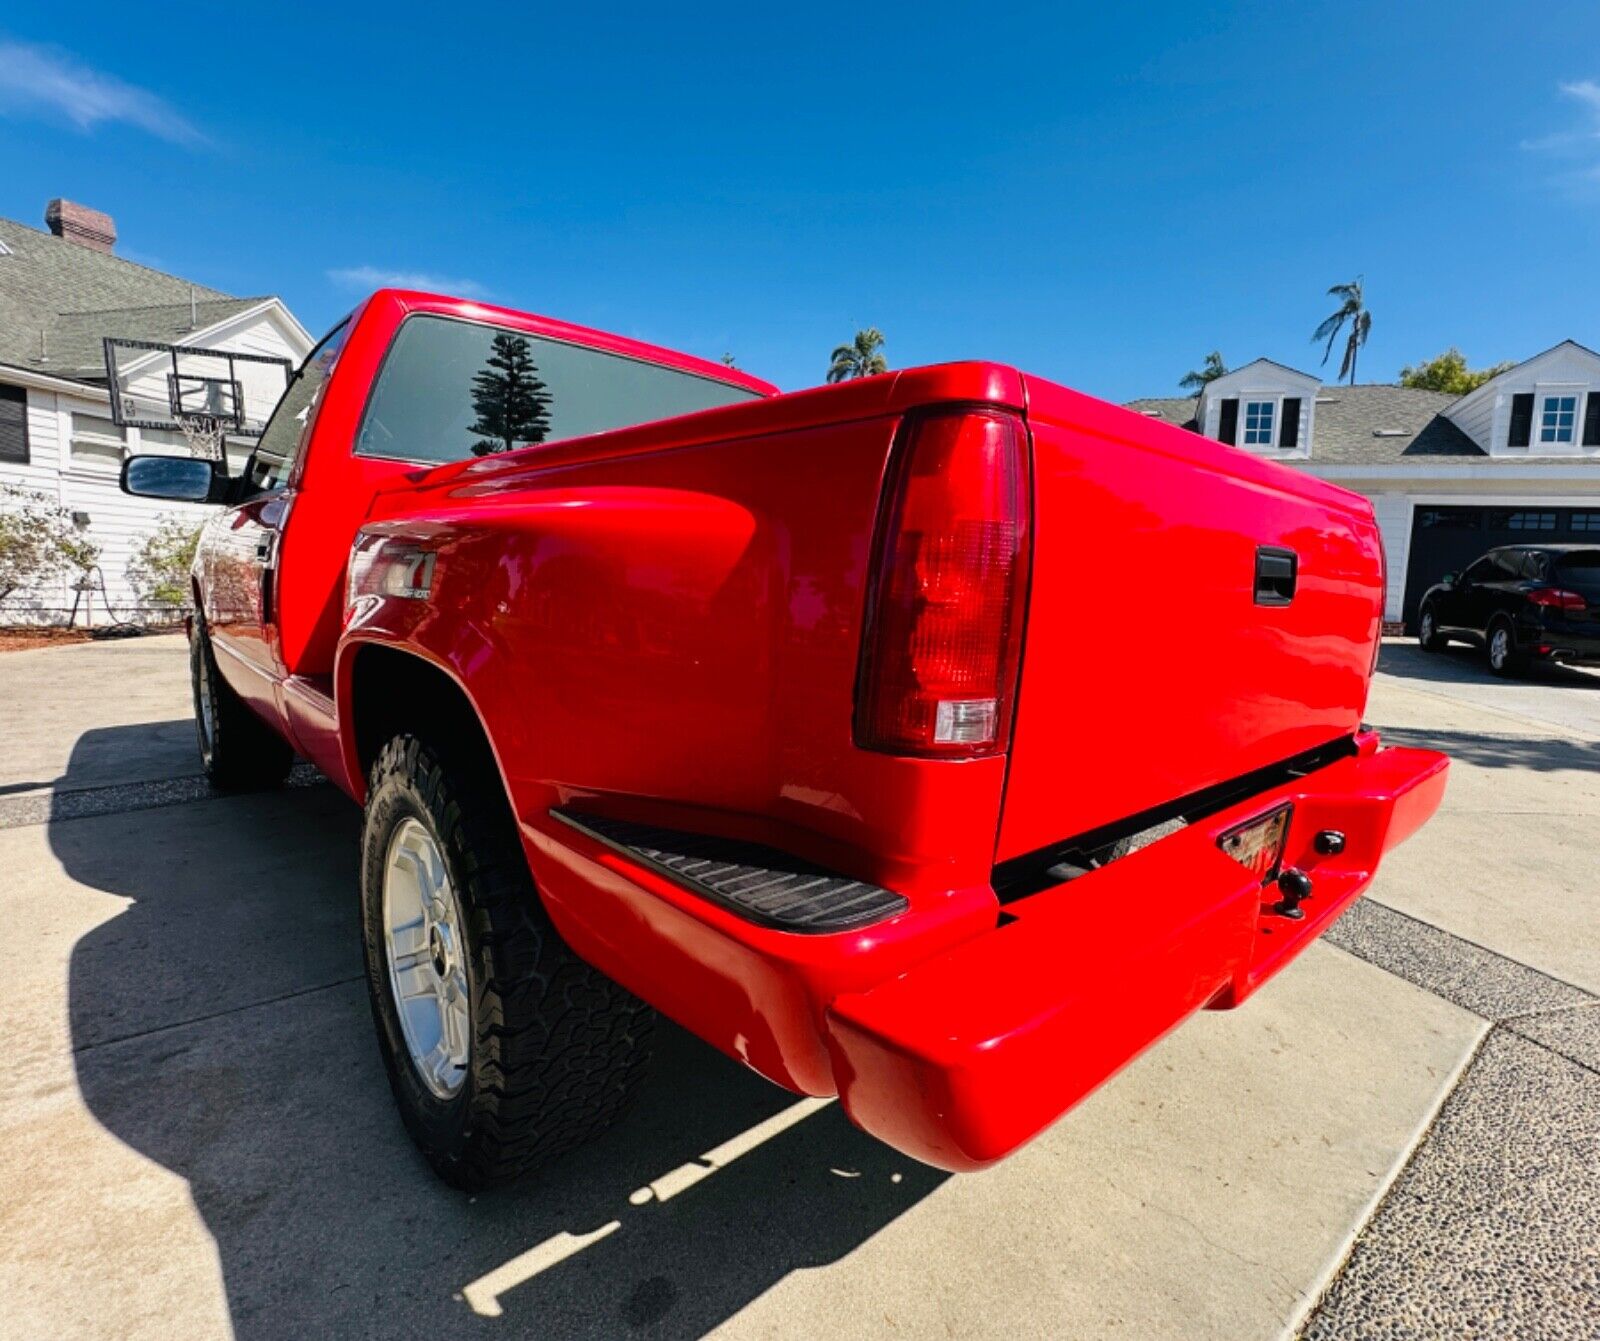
94	425
1580	571
1557	418
1258	417
455	389
170	439
1586	521
1453	519
275	454
89	451
1522	521
13	424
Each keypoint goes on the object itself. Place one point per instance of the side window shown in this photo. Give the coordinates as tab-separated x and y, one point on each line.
275	454
1536	566
1480	571
453	389
13	424
1507	566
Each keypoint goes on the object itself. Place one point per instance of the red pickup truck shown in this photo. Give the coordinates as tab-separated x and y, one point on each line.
938	740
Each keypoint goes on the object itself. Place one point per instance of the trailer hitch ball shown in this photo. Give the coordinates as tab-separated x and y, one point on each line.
1295	887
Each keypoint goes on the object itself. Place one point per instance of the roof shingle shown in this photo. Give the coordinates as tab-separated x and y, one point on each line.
58	299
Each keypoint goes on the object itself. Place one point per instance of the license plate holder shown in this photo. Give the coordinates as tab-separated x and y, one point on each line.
1258	843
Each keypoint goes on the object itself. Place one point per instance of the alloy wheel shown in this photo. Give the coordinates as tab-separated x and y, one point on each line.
425	949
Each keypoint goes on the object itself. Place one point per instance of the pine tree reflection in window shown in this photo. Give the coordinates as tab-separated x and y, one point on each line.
511	401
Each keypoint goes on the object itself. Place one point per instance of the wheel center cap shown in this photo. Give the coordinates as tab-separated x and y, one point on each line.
436	951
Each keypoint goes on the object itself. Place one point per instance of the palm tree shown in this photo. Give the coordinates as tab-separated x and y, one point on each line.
861	358
1352	308
1209	371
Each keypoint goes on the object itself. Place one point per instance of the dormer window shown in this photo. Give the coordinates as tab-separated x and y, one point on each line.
1558	419
1263	408
1553	420
1261	423
1259	418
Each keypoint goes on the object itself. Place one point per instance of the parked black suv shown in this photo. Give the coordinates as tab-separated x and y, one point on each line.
1520	603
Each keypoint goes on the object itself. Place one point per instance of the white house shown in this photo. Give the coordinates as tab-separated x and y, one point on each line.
1449	477
61	293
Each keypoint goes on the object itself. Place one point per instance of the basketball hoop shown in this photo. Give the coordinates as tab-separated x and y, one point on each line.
206	435
205	394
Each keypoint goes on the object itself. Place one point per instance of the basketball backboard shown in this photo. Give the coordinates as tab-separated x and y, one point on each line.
155	385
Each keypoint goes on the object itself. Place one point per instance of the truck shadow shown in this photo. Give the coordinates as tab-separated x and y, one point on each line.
220	1027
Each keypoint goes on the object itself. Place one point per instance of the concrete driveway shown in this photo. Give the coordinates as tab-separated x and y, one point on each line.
197	1139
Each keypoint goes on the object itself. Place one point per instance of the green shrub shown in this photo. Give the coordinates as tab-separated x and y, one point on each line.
159	568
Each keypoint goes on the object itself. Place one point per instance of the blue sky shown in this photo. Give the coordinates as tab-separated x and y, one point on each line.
1098	195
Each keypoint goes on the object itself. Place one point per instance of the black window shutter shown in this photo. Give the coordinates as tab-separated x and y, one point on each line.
1289	434
13	424
1521	420
1591	420
1228	427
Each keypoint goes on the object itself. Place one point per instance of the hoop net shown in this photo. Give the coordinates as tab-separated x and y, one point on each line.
205	434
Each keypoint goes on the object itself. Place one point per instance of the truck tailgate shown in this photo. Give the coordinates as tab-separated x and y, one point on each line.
1157	662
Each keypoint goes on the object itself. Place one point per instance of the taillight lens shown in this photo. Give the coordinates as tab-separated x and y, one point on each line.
1555	598
944	621
1383	604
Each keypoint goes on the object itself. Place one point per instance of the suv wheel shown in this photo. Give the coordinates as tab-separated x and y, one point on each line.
503	1048
238	750
1504	659
1428	631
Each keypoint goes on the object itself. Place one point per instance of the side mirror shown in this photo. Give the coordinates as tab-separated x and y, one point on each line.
1449	579
181	479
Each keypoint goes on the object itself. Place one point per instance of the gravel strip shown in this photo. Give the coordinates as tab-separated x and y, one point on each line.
1491	1229
1483	982
1575	1034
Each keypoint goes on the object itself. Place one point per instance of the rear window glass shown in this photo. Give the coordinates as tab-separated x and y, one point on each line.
1581	570
454	389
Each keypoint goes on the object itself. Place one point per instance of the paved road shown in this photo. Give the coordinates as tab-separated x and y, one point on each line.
197	1139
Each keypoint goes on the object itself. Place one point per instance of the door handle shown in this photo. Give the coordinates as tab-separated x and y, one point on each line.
264	550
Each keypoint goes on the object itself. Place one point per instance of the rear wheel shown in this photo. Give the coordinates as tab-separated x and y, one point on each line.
237	749
503	1048
1428	631
1504	658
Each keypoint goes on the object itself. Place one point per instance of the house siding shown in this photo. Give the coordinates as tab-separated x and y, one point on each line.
1393	513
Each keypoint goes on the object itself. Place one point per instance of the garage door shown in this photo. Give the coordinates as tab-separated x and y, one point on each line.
1446	539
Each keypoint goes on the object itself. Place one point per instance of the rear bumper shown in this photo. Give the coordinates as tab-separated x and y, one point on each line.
965	1057
955	1039
1573	651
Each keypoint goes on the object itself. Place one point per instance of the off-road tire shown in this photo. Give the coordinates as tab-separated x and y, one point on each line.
557	1049
1514	662
1428	635
238	750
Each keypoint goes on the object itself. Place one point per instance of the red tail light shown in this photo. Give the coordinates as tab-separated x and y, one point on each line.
1556	599
944	617
1383	604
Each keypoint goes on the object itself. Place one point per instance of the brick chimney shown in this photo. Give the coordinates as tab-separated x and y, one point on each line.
80	224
